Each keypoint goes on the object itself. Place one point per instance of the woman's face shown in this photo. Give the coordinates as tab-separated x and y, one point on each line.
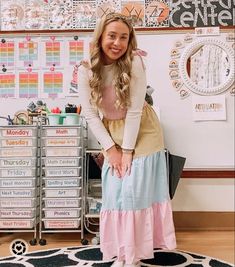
114	41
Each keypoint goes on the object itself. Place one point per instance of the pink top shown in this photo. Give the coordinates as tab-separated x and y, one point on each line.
108	110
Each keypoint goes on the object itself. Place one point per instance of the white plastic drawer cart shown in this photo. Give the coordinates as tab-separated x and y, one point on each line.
19	179
92	195
62	153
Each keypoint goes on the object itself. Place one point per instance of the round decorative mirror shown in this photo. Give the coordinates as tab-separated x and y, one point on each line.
207	66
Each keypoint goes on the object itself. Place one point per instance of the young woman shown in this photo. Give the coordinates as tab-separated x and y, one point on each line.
136	214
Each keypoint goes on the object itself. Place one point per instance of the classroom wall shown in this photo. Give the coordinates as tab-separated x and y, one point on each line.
207	145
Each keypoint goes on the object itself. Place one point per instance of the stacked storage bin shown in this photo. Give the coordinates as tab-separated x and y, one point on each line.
62	150
18	179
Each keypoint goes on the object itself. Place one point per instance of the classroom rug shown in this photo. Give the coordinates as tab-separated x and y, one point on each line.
91	256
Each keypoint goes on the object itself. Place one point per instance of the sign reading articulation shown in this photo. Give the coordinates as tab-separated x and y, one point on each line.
201	13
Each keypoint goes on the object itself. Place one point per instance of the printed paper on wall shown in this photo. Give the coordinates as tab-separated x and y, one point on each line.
209	108
7	53
12	15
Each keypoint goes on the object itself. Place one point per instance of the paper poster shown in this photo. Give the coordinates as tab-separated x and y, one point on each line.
209	108
12	15
52	51
134	10
104	7
7	85
28	84
76	51
61	14
72	81
7	53
156	13
84	14
36	15
28	52
53	84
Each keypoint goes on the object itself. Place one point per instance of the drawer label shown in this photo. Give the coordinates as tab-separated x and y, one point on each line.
20	152
17	173
16	193
61	162
62	202
61	182
16	183
16	224
15	162
15	203
62	132
62	172
17	132
61	142
16	142
16	213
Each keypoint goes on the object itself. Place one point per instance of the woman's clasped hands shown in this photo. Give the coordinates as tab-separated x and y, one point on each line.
119	162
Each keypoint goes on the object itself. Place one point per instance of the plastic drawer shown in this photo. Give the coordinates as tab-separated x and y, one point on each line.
17	183
62	213
62	151
61	142
18	132
62	203
16	172
20	193
17	163
62	162
61	223
17	213
61	131
18	152
17	223
17	202
62	182
18	142
63	172
63	192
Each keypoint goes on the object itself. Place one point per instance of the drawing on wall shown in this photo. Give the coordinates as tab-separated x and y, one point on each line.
28	84
156	13
61	14
12	15
28	52
84	14
36	14
7	84
7	53
104	7
134	10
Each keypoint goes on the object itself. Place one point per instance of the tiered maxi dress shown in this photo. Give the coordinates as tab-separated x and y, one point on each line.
136	214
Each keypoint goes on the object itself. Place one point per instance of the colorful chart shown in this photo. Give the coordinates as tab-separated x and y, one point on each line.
7	53
52	53
28	52
53	83
76	51
7	85
28	85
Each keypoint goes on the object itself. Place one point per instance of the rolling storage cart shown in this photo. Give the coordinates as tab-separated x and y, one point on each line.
92	195
61	183
19	179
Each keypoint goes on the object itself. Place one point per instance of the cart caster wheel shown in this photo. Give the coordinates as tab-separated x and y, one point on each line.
42	242
84	242
95	241
33	242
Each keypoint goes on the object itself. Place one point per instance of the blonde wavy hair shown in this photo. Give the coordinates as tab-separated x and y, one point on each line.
123	65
